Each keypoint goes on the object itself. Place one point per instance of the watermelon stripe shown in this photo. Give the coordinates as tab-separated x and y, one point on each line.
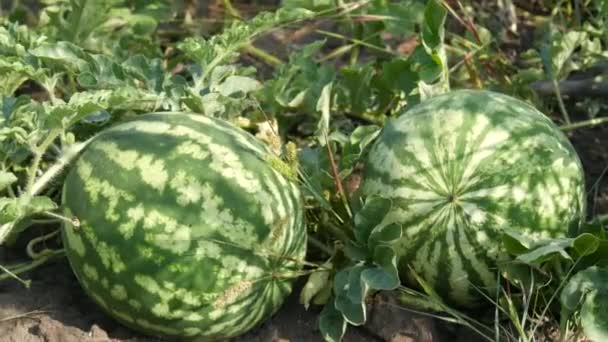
184	226
460	169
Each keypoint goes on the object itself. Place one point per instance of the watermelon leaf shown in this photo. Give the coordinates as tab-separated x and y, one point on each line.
353	312
355	251
586	244
385	234
357	289
589	290
372	213
6	179
594	317
332	323
317	281
380	279
541	254
515	243
385	257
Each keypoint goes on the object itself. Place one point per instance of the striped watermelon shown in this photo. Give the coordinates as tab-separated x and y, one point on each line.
460	169
185	230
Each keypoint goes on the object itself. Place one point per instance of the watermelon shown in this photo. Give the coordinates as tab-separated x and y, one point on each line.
185	230
461	169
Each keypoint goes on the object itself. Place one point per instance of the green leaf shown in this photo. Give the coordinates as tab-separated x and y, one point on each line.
332	323
430	58
357	290
594	316
9	210
558	49
356	252
238	85
356	82
64	55
591	279
362	136
372	213
6	179
516	243
432	28
317	281
399	74
324	106
518	274
586	244
589	289
353	311
546	251
379	279
12	209
385	234
385	257
82	18
400	17
222	48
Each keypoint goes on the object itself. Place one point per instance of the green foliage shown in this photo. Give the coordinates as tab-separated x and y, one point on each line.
587	291
570	267
71	68
86	83
373	267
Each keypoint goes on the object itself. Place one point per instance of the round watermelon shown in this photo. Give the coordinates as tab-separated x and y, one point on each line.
185	228
461	169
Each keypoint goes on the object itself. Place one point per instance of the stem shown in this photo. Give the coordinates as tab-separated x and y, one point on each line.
334	171
13	275
320	245
584	124
250	48
30	245
39	151
560	101
52	172
336	232
55	169
23	315
21	268
263	55
356	41
554	295
71	220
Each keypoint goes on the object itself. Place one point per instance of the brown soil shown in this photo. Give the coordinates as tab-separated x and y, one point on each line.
55	309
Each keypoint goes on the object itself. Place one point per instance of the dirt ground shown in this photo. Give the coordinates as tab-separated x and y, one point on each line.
55	309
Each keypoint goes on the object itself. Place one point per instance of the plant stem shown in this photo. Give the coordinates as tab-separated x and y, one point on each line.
21	268
38	153
560	102
35	187
250	48
73	221
56	168
30	245
356	41
336	176
262	55
320	245
336	232
584	124
11	274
